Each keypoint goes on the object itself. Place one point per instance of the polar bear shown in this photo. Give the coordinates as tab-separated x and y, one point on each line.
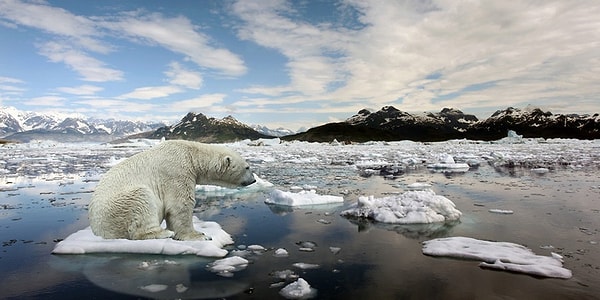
136	195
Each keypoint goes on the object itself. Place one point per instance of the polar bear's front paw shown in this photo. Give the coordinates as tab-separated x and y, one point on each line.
193	236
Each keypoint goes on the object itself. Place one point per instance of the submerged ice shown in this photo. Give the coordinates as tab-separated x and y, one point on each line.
412	207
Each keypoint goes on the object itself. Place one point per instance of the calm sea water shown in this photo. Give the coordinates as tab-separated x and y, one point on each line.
558	211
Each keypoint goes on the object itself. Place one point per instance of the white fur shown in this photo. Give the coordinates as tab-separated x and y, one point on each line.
133	197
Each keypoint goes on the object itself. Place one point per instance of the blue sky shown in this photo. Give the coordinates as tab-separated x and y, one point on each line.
297	64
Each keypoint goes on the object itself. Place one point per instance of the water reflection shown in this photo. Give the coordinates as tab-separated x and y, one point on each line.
154	276
412	231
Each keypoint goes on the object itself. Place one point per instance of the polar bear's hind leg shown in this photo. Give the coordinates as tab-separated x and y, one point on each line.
143	215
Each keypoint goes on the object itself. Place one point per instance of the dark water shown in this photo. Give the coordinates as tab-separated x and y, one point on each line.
558	210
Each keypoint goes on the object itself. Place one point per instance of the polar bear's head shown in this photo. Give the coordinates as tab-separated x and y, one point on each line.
232	170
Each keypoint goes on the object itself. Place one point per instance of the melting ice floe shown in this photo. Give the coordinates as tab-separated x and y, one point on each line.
84	241
301	198
446	162
226	266
498	255
299	289
412	207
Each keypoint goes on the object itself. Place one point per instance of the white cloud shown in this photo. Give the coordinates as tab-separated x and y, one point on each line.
88	67
9	85
180	76
414	54
179	35
152	92
310	49
193	104
46	101
117	107
54	20
10	80
82	90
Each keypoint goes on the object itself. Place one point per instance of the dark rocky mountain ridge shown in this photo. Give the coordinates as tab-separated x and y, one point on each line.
391	124
198	127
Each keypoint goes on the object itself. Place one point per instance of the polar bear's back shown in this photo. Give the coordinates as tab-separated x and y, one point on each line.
145	168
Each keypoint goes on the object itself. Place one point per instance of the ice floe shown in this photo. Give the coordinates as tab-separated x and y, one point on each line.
84	241
498	255
501	211
227	266
301	198
446	162
281	252
299	289
412	207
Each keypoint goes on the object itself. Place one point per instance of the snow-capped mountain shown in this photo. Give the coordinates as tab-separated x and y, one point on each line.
24	126
198	127
390	124
278	132
534	122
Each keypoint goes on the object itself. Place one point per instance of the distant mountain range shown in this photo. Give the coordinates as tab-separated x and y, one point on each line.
391	124
23	126
387	124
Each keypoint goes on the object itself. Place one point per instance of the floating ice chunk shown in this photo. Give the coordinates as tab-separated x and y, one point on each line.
511	138
154	288
306	244
180	288
285	274
501	211
306	266
540	170
498	255
446	161
256	248
413	207
281	253
335	250
84	241
301	198
418	186
226	266
323	221
299	289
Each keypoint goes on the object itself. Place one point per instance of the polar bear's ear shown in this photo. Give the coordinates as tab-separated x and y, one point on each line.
227	162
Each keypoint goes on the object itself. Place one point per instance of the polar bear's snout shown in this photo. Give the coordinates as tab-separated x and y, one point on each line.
249	182
248	178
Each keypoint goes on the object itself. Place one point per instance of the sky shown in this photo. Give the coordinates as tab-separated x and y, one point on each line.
296	64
